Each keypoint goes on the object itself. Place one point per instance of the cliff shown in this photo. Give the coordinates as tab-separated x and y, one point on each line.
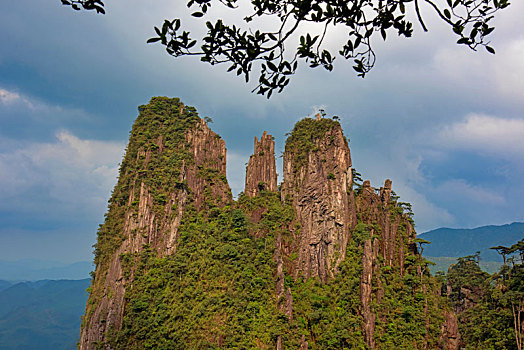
322	262
173	160
317	178
261	171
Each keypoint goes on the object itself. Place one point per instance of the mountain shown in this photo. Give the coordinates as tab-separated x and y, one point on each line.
42	314
34	270
4	285
322	261
450	242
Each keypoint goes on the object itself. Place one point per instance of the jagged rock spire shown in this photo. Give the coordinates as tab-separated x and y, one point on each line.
261	173
385	192
172	160
318	181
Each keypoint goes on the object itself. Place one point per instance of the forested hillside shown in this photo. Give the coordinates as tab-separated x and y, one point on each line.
323	261
490	308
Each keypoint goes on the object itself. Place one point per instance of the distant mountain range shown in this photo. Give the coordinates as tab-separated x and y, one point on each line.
41	315
34	270
453	242
447	244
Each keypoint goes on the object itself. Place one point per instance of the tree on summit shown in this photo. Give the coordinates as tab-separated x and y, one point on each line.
247	50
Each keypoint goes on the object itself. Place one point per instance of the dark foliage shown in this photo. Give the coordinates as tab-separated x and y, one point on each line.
265	52
490	307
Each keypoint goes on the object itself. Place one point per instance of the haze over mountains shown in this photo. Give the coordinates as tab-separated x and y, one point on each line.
34	270
41	303
450	242
41	315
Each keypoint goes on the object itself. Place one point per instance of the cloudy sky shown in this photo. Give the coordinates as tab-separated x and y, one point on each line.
444	123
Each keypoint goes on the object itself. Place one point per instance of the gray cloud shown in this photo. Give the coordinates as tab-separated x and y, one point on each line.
74	172
501	137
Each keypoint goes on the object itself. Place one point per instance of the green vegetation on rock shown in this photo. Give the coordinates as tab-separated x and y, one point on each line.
304	138
216	291
164	120
233	280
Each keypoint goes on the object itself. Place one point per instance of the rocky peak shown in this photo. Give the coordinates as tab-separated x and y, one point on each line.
261	173
173	178
317	178
394	228
390	232
385	192
173	160
206	171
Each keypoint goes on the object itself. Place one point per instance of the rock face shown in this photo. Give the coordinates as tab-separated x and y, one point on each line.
152	199
384	240
209	157
450	337
372	207
318	180
391	242
261	173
